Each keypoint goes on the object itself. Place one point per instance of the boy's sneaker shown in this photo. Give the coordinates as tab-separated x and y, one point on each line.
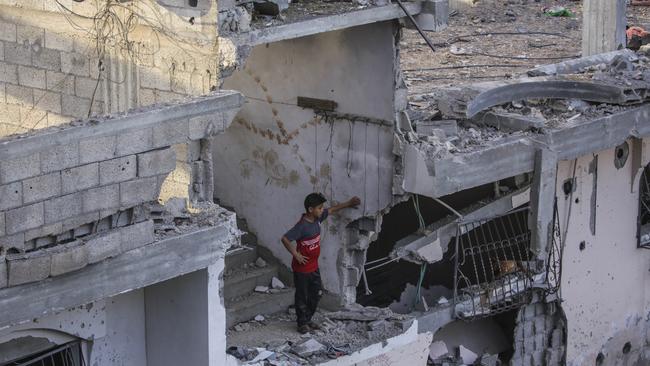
303	329
313	326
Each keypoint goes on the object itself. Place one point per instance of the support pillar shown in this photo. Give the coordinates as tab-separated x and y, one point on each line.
542	202
603	28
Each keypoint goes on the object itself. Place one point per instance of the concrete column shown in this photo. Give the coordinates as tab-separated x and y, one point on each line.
603	28
542	201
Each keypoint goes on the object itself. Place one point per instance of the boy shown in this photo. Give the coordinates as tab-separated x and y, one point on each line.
306	276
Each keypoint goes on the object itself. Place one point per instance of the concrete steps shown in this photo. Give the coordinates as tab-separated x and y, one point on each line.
243	309
244	282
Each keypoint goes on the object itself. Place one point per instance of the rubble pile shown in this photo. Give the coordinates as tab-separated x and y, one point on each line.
272	339
175	218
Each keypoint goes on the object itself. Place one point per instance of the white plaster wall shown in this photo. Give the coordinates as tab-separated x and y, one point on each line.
266	181
605	286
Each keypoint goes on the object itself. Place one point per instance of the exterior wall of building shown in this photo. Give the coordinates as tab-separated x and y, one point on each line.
275	152
605	282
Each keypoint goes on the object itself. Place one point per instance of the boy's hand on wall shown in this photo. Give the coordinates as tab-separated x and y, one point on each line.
354	201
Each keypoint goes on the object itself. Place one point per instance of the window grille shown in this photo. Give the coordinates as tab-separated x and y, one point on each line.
66	355
643	235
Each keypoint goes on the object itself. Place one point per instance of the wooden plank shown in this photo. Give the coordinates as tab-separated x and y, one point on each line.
317	104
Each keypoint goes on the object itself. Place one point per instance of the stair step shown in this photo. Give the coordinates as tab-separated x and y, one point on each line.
247	308
243	282
238	258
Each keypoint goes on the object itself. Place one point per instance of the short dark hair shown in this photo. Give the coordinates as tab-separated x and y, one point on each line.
313	200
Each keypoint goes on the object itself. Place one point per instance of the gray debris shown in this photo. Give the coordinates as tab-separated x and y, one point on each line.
260	262
276	283
360	313
272	8
263	289
308	348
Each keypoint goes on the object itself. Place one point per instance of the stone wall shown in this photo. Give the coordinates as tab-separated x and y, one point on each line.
540	336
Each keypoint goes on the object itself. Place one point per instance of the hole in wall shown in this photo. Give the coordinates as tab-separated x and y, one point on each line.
577	200
627	347
621	154
567	187
193	3
191	20
583	245
600	359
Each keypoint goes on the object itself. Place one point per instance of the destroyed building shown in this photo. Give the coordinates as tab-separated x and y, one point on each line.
152	153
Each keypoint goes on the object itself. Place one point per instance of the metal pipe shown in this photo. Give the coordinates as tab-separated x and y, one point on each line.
416	25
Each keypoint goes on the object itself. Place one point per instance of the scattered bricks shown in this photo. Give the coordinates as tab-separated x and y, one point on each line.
16	241
18	54
134	142
60	157
62	208
74	63
47	59
104	246
68	257
3	272
11	195
8	73
24	218
118	170
75	222
75	106
57	41
59	82
137	235
21	95
31	76
171	132
41	187
97	149
557	338
80	178
29	267
206	126
138	191
156	162
101	198
47	100
7	32
47	230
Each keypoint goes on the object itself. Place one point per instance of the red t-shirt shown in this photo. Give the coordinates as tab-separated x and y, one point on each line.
307	237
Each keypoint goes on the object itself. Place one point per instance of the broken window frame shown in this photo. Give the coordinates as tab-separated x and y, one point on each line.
643	219
69	354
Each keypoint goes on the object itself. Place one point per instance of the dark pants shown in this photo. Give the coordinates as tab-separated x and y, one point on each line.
308	291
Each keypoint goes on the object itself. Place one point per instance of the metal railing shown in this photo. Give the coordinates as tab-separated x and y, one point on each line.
68	354
643	234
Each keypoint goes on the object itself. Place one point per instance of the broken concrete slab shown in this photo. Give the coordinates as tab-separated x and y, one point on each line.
308	348
467	355
438	349
276	283
509	121
575	66
271	7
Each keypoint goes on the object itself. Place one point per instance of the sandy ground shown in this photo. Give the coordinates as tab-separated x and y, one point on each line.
509	35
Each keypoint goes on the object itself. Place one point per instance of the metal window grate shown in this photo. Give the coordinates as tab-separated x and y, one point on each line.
643	234
493	265
554	262
66	355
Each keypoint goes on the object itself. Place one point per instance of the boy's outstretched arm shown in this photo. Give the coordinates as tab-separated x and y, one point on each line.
294	252
352	202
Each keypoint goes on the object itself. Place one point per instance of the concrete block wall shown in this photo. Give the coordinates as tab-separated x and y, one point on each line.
540	336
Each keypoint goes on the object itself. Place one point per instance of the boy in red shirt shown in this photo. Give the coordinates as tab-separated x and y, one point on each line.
306	276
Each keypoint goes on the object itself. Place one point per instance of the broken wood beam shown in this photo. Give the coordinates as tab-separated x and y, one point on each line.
317	104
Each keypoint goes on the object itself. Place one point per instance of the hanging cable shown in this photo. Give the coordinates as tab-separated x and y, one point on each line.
448	207
423	270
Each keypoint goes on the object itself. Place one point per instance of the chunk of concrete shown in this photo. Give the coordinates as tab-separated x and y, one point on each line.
259	318
263	289
276	283
308	348
68	257
104	246
437	350
137	235
467	355
260	262
26	268
272	8
3	272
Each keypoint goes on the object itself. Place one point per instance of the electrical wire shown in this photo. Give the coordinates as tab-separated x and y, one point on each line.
465	67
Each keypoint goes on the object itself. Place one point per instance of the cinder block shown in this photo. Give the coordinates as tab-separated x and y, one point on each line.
60	157
155	78
557	338
47	59
55	119
31	77
537	358
540	324
47	230
27	34
97	149
74	63
58	41
47	100
59	82
29	267
529	311
101	198
16	241
75	222
21	95
16	53
19	168
3	272
104	246
170	133
11	195
68	257
137	235
88	88
156	162
540	341
7	32
8	73
139	191
118	170
206	126
2	224
80	178
134	142
2	51
41	187
75	106
61	208
24	218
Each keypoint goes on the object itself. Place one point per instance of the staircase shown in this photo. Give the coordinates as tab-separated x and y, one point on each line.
242	275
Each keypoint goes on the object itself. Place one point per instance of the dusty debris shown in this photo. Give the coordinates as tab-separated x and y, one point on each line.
467	355
263	289
261	263
308	348
276	283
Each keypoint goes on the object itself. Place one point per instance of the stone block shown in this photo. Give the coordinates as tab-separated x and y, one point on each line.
24	218
29	267
20	54
170	133
8	72
22	95
2	224
47	100
137	235
64	207
3	272
206	126
68	257
134	142
47	59
529	311
540	324
541	341
41	187
97	149
118	170
58	41
155	78
75	222
156	162
2	51
31	77
104	246
75	106
7	32
11	195
59	82
80	178
74	63
55	119
16	241
47	230
60	157
101	198
88	88
536	358
27	34
557	338
139	191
